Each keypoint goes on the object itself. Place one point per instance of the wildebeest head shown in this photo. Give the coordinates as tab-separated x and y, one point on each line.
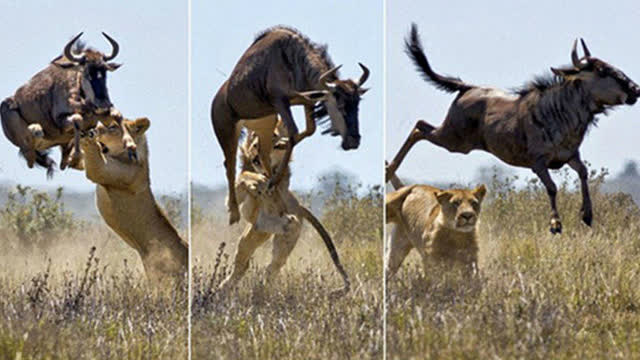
342	106
607	84
94	65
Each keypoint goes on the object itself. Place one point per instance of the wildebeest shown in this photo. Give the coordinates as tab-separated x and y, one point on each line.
540	127
70	95
281	68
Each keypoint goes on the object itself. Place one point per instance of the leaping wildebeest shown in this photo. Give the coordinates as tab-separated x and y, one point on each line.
282	68
540	127
68	96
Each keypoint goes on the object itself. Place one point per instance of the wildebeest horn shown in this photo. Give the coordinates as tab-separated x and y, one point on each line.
587	53
364	76
323	77
574	56
114	45
67	50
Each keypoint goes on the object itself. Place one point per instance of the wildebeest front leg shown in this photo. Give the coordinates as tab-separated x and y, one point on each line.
310	124
282	107
577	165
75	120
542	171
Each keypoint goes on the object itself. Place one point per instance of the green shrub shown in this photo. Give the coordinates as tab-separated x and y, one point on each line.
35	217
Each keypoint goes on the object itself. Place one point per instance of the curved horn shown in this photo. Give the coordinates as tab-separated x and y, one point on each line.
587	53
574	55
67	50
323	78
364	76
114	45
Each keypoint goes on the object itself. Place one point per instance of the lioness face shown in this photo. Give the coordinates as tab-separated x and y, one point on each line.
110	136
461	208
251	150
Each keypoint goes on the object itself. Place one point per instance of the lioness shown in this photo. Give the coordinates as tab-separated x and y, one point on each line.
274	213
125	200
439	224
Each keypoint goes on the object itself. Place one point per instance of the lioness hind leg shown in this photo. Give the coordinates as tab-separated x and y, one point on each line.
283	245
249	242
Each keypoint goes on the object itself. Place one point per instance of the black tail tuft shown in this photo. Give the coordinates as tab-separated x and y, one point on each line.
413	48
43	160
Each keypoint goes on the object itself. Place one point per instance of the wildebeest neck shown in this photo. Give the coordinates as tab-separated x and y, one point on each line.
560	108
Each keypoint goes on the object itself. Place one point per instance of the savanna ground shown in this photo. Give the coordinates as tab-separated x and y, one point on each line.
294	319
71	289
538	296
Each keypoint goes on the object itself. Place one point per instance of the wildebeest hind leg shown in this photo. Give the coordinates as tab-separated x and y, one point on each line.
421	131
227	132
577	165
543	173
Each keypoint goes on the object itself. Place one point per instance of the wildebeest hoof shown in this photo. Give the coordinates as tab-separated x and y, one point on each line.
556	226
234	215
133	154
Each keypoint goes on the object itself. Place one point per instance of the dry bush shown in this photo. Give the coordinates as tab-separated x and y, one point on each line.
538	296
295	318
73	289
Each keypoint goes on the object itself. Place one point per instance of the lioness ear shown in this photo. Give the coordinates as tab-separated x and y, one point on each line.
443	197
140	125
480	192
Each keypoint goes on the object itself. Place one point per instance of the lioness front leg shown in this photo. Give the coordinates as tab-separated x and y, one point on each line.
105	170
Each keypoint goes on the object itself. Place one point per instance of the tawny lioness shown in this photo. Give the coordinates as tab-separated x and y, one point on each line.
125	200
274	213
440	224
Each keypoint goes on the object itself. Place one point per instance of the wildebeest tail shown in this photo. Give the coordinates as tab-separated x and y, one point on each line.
307	215
413	48
44	160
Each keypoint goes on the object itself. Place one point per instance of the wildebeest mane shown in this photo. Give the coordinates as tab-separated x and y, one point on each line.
302	53
540	83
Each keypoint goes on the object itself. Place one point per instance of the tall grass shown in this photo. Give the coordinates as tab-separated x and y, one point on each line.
71	289
294	318
538	296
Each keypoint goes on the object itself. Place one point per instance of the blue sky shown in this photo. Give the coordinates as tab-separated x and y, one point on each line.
503	44
222	31
152	82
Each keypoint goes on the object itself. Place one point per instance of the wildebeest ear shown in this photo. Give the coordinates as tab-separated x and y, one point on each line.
141	125
113	66
63	62
362	91
480	192
443	196
565	72
314	96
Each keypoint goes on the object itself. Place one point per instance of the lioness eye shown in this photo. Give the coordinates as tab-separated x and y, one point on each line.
256	161
456	202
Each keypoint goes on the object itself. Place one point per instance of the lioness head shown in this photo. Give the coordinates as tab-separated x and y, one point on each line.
460	208
249	150
110	137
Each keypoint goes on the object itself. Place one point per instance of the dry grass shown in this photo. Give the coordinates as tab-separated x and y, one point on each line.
84	296
294	319
573	296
